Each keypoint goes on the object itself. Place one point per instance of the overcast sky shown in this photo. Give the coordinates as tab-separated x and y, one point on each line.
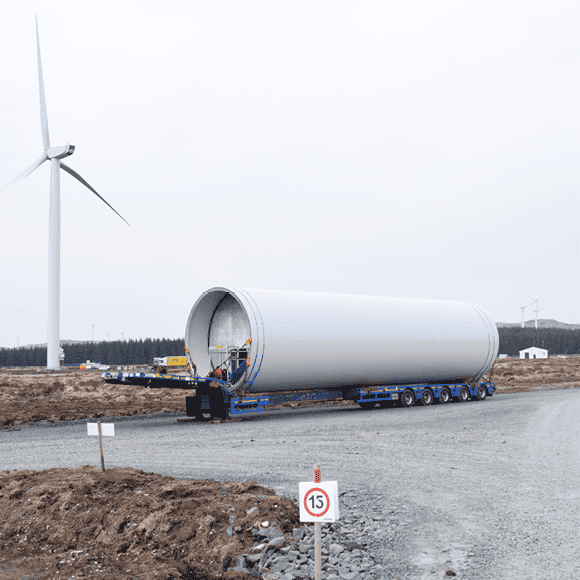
421	149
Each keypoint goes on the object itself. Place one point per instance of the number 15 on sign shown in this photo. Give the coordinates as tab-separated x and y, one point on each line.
318	501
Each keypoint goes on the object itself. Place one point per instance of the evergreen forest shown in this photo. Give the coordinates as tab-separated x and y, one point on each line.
119	352
554	340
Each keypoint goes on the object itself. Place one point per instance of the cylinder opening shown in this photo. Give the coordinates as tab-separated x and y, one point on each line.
218	334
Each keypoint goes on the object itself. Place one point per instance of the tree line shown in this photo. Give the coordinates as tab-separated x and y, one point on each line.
136	352
119	352
555	340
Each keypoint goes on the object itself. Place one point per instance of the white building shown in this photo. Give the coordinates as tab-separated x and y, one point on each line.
534	352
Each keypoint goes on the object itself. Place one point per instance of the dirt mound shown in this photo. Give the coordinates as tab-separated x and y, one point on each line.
84	523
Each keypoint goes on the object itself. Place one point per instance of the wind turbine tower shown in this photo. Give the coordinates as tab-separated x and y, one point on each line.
522	308
537	309
55	155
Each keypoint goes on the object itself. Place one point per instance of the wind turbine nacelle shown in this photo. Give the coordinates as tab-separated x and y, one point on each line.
60	152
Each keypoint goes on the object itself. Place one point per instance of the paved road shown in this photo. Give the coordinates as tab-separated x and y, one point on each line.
488	489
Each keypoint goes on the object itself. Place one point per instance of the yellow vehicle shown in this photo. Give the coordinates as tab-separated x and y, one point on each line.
171	361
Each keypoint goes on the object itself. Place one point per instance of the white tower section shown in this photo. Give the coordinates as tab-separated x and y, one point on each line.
308	340
53	342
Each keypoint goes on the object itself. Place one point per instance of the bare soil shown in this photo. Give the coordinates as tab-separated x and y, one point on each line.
514	375
30	395
124	523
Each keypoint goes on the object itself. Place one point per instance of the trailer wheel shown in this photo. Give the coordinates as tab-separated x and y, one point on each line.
367	405
481	393
427	397
464	395
444	395
407	398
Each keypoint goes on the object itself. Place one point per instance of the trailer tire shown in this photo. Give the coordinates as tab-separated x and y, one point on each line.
407	398
481	393
427	397
444	395
367	405
464	395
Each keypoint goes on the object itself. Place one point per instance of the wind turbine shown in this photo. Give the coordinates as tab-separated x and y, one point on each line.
54	154
522	309
536	312
537	309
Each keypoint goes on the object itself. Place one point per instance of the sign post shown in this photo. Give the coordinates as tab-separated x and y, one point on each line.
317	532
101	446
318	503
107	429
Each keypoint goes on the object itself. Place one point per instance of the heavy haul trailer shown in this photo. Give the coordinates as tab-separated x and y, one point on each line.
252	348
211	397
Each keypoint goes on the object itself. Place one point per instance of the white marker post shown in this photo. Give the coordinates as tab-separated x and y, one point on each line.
107	429
318	503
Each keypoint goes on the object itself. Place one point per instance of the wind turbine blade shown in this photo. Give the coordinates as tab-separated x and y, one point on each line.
26	172
43	115
77	176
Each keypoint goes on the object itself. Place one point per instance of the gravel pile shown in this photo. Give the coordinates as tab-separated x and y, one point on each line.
345	548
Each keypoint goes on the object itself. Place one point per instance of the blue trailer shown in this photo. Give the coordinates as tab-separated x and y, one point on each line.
210	395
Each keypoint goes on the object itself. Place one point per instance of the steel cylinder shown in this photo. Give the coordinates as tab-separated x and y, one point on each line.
308	340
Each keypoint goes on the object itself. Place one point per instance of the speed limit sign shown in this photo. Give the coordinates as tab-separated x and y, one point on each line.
318	501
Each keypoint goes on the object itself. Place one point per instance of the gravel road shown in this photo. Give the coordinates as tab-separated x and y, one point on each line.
488	490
